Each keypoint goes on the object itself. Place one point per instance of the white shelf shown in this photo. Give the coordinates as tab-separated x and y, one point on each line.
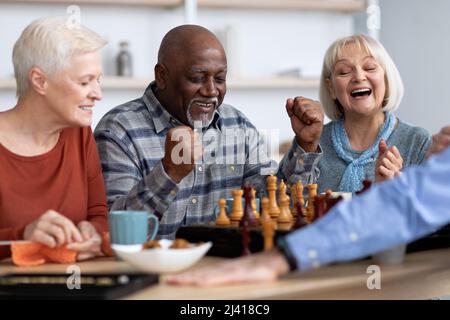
118	83
7	84
273	83
153	3
107	83
326	5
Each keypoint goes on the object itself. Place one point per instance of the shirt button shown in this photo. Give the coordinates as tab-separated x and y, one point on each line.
232	168
295	154
312	254
194	201
200	169
353	236
173	192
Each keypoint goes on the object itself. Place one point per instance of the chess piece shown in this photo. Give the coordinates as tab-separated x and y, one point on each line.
331	201
284	220
268	231
238	211
300	220
294	201
265	216
312	193
249	216
300	200
255	210
366	186
319	207
245	234
222	218
282	189
274	210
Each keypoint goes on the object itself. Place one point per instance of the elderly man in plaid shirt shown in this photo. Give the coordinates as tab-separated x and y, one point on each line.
176	150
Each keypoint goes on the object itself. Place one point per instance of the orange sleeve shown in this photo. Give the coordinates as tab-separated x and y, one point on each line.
97	209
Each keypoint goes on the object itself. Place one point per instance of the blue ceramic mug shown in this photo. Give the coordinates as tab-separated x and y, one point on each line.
132	227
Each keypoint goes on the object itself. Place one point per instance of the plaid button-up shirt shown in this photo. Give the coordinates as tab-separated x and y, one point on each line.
131	140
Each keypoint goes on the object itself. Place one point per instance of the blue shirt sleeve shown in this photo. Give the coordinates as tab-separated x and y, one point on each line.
390	213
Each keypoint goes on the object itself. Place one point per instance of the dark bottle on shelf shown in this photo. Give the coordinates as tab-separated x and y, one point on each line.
124	61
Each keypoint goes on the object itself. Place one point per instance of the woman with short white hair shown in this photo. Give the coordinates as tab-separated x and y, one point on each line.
360	88
51	183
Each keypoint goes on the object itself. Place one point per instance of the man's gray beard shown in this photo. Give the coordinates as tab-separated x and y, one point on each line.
199	123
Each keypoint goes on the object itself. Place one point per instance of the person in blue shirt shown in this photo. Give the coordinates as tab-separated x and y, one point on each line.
390	213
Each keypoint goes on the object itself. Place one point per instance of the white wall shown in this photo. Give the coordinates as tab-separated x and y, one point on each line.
417	35
265	42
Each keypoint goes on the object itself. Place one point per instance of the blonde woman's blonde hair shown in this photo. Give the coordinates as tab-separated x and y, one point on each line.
394	84
49	44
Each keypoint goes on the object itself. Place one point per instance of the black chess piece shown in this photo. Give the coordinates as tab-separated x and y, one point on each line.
245	233
330	202
300	221
319	207
249	215
366	186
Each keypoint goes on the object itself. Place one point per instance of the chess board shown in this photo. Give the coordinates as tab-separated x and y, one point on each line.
54	286
437	240
227	240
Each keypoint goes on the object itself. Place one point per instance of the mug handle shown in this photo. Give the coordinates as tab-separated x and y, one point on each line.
156	226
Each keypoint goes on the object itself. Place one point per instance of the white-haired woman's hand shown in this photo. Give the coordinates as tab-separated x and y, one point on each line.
440	141
52	229
91	246
389	163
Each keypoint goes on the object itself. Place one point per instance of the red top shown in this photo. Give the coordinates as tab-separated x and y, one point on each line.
67	179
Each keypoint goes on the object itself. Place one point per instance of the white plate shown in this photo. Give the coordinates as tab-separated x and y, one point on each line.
161	260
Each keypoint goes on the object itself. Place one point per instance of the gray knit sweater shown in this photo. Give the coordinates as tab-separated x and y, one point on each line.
412	142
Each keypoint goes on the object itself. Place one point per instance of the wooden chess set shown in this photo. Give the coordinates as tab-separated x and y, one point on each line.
244	230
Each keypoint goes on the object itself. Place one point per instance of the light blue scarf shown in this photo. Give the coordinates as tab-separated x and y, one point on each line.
353	176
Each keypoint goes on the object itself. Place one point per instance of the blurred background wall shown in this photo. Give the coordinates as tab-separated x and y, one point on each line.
261	43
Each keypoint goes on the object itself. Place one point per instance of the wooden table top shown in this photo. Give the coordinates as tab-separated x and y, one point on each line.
423	275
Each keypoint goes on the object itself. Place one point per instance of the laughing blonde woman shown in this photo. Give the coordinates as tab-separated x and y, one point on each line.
360	89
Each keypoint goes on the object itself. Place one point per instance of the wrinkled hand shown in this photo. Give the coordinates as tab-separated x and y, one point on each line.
261	267
307	121
440	141
52	229
182	150
91	246
389	163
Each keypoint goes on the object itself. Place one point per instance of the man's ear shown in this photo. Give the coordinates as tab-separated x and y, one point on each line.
160	76
330	88
38	80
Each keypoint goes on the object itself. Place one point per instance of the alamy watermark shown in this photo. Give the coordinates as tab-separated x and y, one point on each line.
73	16
228	146
74	279
374	280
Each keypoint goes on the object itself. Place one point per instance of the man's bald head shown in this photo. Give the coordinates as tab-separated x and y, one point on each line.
191	74
185	40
